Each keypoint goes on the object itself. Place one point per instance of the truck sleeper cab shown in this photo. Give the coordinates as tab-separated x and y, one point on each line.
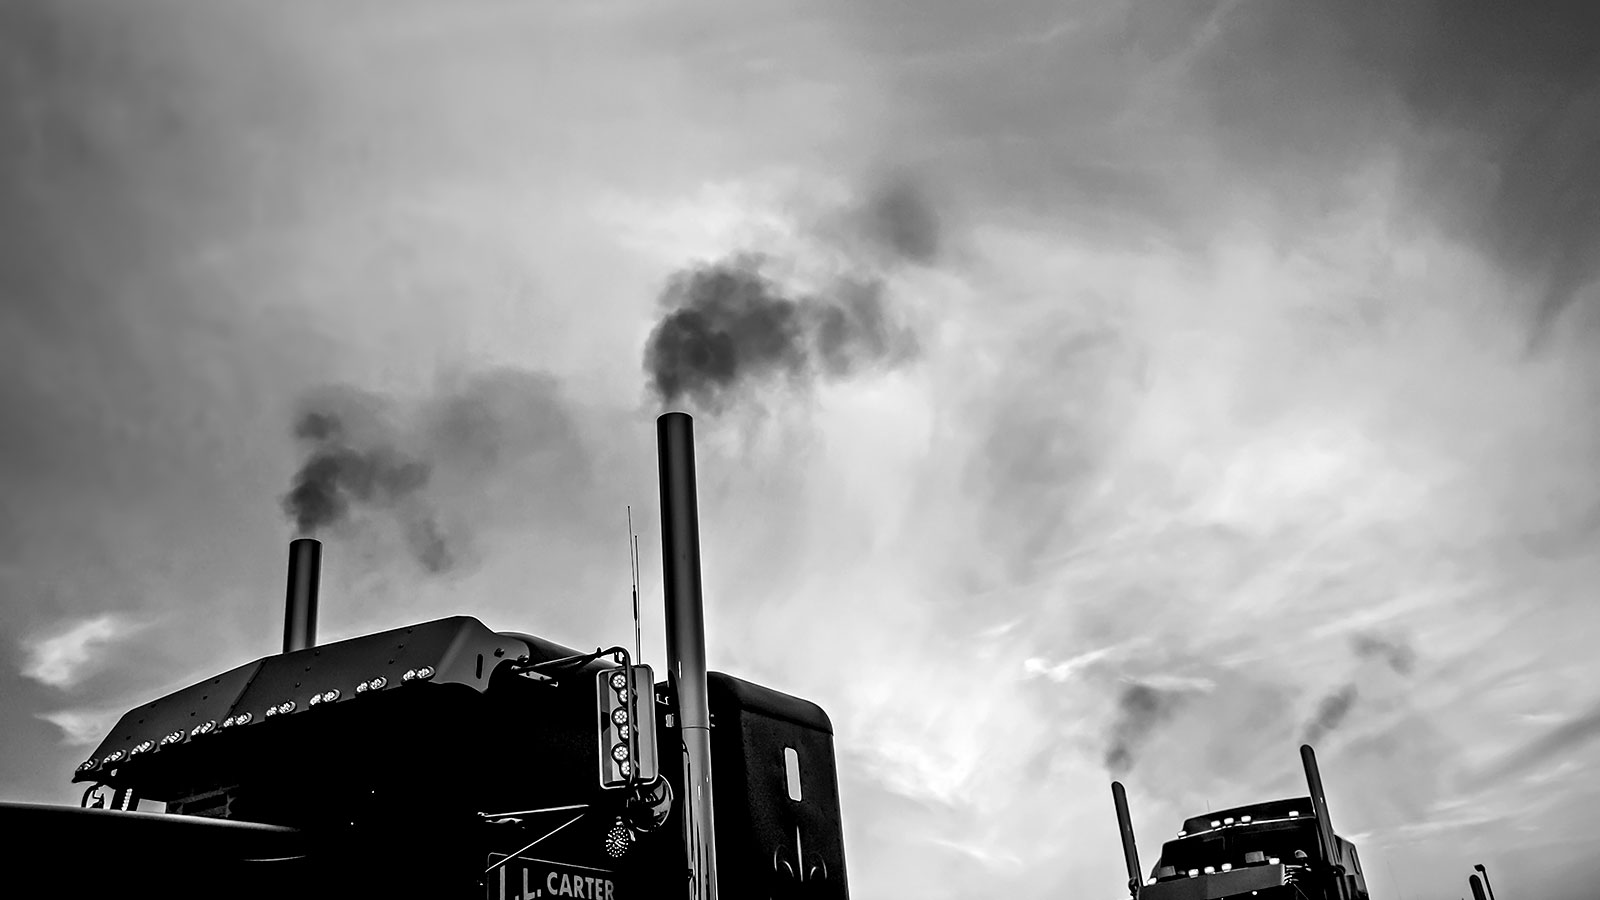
1281	848
1263	850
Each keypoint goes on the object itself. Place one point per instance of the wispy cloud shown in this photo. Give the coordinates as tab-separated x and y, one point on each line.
82	727
69	654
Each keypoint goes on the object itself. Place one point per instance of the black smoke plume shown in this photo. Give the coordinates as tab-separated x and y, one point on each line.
1398	656
727	324
1330	712
337	474
490	449
1140	709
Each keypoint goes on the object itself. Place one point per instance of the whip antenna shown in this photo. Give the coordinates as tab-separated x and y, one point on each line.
633	545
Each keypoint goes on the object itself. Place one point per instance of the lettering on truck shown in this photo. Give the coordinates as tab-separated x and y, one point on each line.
520	880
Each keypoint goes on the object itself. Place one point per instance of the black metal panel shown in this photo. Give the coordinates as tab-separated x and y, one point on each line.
769	845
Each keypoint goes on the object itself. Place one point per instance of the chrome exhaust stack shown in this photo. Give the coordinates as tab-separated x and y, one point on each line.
300	606
1130	850
686	643
1319	808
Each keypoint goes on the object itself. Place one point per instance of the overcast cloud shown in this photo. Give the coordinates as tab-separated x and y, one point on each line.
1203	376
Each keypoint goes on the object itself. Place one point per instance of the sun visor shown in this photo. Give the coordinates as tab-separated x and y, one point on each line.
459	650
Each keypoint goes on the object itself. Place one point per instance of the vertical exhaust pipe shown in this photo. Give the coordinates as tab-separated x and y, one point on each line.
300	607
1487	885
686	643
1319	808
1130	850
1477	888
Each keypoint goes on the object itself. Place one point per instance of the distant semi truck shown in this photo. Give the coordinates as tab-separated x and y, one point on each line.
1277	849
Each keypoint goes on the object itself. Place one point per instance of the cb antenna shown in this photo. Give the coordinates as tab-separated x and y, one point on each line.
633	545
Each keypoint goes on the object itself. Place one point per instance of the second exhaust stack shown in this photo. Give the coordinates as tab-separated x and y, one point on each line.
300	606
686	643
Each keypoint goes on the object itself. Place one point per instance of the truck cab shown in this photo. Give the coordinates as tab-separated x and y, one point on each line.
1261	850
1279	848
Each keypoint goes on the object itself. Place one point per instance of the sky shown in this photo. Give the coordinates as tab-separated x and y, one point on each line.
1083	390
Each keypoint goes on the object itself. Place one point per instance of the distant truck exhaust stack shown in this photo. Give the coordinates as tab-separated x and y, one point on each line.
1278	849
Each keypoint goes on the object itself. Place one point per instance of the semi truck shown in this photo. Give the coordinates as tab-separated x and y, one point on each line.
1280	848
446	759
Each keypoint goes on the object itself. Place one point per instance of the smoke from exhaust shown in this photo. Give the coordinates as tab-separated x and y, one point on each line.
728	324
336	474
1335	707
1330	712
1398	656
1140	709
496	445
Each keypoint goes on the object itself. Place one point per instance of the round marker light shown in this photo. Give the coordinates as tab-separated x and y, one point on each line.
228	722
316	700
285	707
114	755
330	696
620	753
242	718
172	737
618	840
142	747
424	673
1194	873
378	684
1273	860
1211	870
88	764
619	681
1243	819
203	728
271	711
624	732
409	676
1228	820
619	716
626	768
1227	867
1215	824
